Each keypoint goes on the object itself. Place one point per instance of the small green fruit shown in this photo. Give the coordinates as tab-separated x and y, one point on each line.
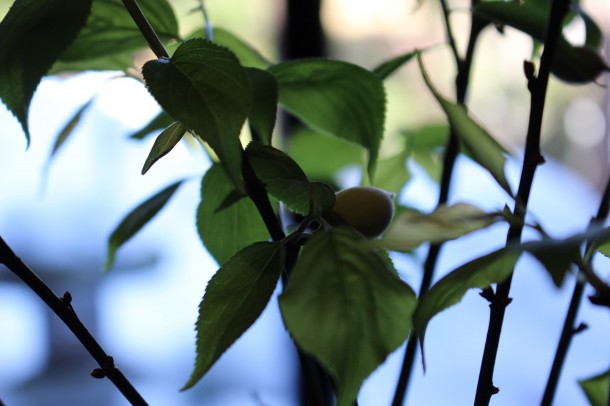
368	209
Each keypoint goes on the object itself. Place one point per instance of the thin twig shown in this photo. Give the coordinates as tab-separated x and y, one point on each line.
450	155
145	28
63	309
569	329
532	158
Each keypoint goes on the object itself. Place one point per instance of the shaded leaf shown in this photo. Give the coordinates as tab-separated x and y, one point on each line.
387	68
204	87
284	179
596	389
264	103
68	129
572	63
411	229
345	305
425	145
234	298
481	146
479	273
336	98
225	232
593	34
391	173
159	122
164	143
32	36
111	35
136	219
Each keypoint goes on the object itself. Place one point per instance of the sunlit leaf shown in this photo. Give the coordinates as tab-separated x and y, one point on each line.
336	98
284	179
481	146
164	143
264	103
159	122
410	229
204	87
111	35
137	219
32	36
387	68
345	306
572	63
479	273
234	298
225	232
596	389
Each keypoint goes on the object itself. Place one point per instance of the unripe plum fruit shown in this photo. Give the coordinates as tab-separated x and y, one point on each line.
366	208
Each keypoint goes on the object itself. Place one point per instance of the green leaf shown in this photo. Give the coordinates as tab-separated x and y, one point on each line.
557	256
204	87
572	64
411	229
247	55
225	232
479	273
335	98
285	180
480	145
164	143
32	36
345	305
321	156
596	389
391	173
387	68
159	122
593	34
137	219
264	103
111	36
425	145
234	298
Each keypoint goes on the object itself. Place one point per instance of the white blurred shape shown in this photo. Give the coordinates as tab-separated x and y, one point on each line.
584	123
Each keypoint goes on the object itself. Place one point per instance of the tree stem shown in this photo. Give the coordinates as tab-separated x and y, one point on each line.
63	309
569	329
452	150
145	28
532	158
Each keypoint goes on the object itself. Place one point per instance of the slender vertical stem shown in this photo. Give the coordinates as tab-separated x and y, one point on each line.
569	329
145	28
63	309
450	156
532	158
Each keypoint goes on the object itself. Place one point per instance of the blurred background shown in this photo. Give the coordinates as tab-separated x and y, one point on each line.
58	216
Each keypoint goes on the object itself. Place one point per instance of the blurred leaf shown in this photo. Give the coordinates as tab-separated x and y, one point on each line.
391	173
557	256
345	305
425	145
111	36
204	87
321	197
388	67
411	229
479	273
159	122
320	155
32	36
234	298
481	146
137	219
68	129
335	98
164	143
596	389
572	64
225	232
285	180
264	103
593	34
246	54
